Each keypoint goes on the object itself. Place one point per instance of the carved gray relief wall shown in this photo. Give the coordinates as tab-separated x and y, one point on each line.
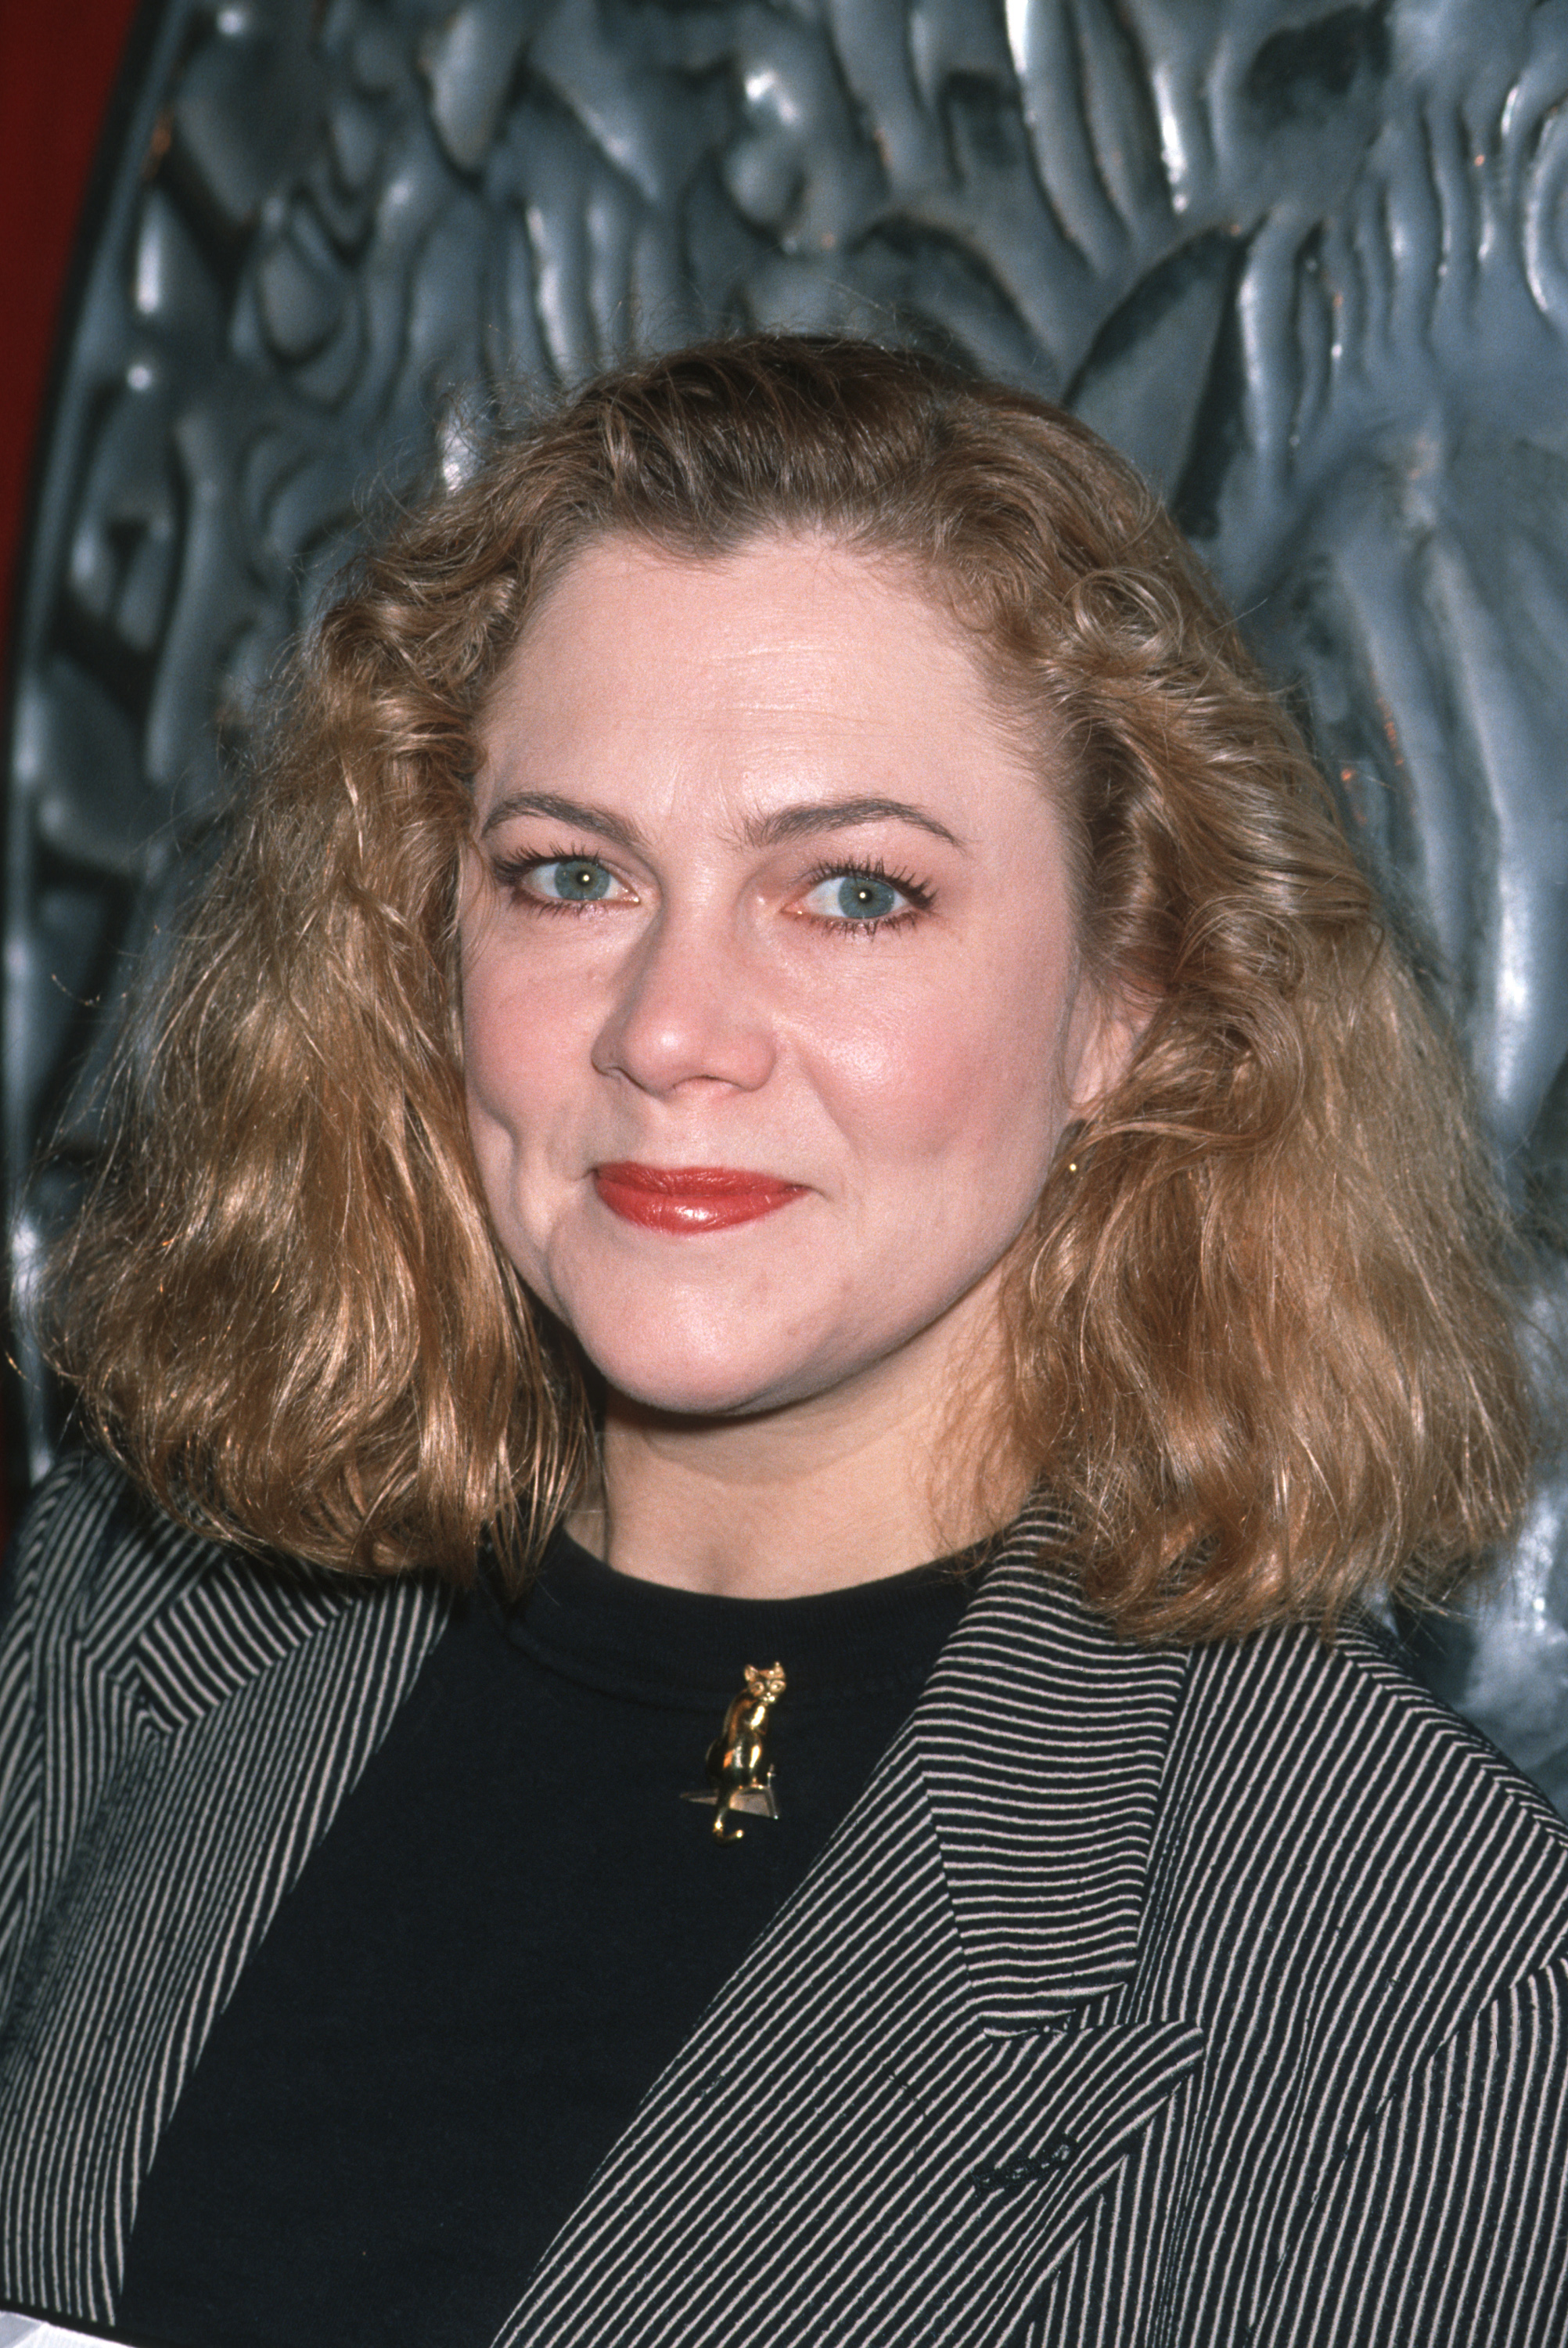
1308	265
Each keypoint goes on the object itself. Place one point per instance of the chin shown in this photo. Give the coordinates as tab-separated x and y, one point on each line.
694	1389
689	1366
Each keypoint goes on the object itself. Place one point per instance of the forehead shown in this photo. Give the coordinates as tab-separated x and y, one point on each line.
791	652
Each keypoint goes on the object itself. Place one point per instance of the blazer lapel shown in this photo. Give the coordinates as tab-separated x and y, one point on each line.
895	2120
235	1713
1044	1740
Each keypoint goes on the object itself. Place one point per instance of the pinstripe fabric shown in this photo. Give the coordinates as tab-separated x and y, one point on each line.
1144	1997
176	1734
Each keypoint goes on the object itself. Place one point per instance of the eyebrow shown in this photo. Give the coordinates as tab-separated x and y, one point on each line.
765	832
841	815
582	812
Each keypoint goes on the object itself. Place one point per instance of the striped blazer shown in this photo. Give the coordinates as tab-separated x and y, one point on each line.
1152	1996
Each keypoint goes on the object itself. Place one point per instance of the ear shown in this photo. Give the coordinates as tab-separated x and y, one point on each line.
1105	1030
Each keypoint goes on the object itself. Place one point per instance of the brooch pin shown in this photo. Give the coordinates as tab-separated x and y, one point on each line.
740	1775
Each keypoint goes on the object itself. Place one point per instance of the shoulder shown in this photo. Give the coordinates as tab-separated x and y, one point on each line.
1301	1801
102	1583
1342	1720
127	1639
1318	1792
90	1551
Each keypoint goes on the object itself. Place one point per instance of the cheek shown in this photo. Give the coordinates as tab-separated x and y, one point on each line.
517	1043
490	1069
521	1065
966	1071
517	1080
490	1059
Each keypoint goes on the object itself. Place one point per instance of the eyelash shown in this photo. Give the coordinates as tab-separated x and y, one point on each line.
511	871
919	896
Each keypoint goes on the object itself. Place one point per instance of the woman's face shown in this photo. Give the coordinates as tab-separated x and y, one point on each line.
770	995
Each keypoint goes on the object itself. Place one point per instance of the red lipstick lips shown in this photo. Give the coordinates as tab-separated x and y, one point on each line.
690	1198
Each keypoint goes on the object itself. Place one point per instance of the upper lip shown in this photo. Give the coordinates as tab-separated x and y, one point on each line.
694	1182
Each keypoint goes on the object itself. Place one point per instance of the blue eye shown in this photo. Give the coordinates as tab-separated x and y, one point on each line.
856	897
862	899
572	881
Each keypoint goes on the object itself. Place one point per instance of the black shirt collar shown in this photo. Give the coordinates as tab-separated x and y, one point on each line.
638	1638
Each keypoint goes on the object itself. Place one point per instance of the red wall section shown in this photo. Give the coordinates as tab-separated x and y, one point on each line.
58	59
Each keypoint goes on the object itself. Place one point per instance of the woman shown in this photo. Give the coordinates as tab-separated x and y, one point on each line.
785	988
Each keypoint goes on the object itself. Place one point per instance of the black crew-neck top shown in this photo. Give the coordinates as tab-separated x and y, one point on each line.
509	1929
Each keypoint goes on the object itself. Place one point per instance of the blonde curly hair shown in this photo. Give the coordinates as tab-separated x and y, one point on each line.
1261	1344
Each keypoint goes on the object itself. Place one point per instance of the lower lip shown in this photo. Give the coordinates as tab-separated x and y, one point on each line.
689	1197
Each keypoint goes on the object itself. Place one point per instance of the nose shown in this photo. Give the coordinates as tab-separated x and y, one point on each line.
686	1010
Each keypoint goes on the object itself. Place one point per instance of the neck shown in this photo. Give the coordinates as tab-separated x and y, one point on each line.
825	1494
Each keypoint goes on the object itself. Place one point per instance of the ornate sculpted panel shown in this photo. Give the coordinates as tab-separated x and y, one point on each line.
1308	264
